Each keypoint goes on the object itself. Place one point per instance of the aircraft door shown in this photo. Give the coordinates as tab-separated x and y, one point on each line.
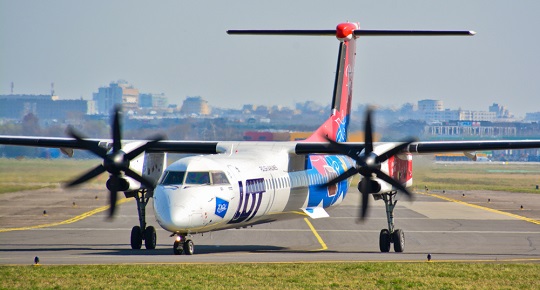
279	186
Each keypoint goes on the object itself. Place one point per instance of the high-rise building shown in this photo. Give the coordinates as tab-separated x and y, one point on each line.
119	92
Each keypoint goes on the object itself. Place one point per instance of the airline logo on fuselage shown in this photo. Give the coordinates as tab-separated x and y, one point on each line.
250	201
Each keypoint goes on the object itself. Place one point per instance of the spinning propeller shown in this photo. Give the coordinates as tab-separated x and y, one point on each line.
368	164
115	161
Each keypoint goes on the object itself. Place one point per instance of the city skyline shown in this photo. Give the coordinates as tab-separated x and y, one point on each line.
181	49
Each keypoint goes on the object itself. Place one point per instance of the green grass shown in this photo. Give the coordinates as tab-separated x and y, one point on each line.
27	174
477	176
362	275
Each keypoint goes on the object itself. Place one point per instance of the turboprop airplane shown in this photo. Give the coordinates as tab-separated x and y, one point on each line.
239	184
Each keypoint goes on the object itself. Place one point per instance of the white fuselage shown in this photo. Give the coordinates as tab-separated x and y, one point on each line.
250	183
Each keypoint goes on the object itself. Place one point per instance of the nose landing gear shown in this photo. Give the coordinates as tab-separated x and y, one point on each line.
183	245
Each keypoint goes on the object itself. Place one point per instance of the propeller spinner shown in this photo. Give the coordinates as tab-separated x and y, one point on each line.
115	161
368	164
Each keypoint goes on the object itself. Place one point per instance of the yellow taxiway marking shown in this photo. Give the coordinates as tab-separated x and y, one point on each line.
68	221
483	207
314	231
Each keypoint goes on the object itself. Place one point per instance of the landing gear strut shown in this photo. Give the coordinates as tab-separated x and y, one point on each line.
141	232
390	235
183	245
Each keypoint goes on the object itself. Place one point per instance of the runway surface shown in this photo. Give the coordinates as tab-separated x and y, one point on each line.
452	226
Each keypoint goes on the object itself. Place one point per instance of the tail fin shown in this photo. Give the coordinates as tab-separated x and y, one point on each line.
336	126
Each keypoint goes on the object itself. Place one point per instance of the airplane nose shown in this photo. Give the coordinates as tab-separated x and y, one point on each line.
170	209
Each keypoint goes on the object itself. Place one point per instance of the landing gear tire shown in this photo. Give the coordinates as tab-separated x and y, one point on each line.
177	248
189	247
384	241
136	238
150	238
398	238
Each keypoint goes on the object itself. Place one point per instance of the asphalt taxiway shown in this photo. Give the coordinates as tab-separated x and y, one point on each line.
451	226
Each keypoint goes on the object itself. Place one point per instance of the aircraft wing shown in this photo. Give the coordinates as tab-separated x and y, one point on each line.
300	148
462	146
425	147
195	147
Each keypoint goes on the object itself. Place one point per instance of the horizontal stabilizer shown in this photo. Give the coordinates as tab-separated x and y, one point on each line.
363	32
331	32
358	32
316	212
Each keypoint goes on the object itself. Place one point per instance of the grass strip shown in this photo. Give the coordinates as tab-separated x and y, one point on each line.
350	275
28	174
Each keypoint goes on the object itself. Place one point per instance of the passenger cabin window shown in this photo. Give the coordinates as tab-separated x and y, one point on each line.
198	178
173	178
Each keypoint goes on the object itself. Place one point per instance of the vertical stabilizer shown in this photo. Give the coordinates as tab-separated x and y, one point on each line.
336	126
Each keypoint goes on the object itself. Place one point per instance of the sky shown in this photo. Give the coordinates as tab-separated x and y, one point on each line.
180	48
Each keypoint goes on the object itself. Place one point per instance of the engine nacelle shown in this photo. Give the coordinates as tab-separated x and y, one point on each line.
399	167
148	165
377	186
120	184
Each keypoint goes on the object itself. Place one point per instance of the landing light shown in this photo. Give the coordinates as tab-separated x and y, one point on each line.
178	238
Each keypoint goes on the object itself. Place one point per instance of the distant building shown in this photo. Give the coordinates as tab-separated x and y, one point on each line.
195	105
430	105
532	117
45	107
119	92
433	111
501	111
470	129
156	101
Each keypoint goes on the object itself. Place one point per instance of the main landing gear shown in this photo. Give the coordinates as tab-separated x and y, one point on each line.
183	245
390	235
141	232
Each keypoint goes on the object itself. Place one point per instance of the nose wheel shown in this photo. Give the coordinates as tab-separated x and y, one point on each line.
182	245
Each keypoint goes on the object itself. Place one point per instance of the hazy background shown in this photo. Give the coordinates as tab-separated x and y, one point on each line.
180	48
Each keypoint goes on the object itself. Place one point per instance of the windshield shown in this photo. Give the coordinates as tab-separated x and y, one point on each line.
194	178
173	178
198	178
219	178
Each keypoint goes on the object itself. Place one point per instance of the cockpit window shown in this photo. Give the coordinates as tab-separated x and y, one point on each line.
173	178
219	178
198	178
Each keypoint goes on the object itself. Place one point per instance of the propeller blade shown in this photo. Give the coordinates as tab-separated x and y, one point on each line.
143	180
365	189
116	130
345	149
368	133
391	181
143	148
113	195
352	171
87	176
383	157
100	152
